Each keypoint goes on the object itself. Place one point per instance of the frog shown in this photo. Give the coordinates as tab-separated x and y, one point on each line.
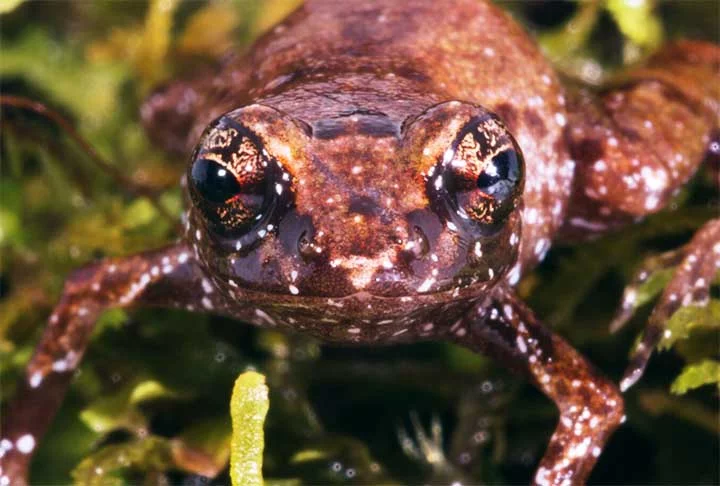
374	173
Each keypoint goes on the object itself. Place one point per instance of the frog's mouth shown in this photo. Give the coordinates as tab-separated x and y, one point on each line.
447	294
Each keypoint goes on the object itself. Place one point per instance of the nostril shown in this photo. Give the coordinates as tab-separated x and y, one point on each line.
304	244
297	234
417	244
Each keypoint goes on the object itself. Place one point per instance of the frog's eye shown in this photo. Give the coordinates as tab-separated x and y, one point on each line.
234	183
481	175
214	182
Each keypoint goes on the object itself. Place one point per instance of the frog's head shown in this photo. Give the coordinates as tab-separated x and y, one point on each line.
357	204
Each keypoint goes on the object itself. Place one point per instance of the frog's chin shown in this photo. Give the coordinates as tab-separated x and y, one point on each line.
362	317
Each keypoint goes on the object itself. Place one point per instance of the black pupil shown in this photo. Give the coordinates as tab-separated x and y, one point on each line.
499	180
213	181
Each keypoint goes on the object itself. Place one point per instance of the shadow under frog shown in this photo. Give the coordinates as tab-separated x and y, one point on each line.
392	184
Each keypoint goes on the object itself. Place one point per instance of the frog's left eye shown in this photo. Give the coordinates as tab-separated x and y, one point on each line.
235	184
480	177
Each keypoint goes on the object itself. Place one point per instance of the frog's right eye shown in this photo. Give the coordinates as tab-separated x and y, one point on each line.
214	182
236	185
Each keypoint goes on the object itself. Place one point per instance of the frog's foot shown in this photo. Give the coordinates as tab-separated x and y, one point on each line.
427	448
698	264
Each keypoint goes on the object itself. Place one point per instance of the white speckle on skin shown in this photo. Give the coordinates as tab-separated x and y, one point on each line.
25	444
541	478
60	365
531	216
514	275
521	344
6	445
293	290
207	303
478	249
35	379
264	316
182	258
425	286
207	286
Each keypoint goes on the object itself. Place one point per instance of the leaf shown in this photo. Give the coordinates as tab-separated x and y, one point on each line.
209	31
101	468
689	318
119	410
574	34
249	405
696	375
653	286
637	21
9	5
90	90
658	402
203	448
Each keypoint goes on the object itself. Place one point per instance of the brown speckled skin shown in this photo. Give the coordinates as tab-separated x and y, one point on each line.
354	113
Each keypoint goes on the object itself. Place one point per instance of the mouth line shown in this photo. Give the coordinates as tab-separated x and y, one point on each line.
362	295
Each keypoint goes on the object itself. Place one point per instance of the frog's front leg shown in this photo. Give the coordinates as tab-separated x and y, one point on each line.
591	407
168	277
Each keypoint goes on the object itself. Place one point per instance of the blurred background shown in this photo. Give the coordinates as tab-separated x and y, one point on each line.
149	404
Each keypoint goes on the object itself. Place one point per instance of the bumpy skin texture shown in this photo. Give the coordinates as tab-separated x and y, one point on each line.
358	138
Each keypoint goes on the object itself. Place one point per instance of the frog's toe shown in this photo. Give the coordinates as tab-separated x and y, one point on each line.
698	264
424	448
427	448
